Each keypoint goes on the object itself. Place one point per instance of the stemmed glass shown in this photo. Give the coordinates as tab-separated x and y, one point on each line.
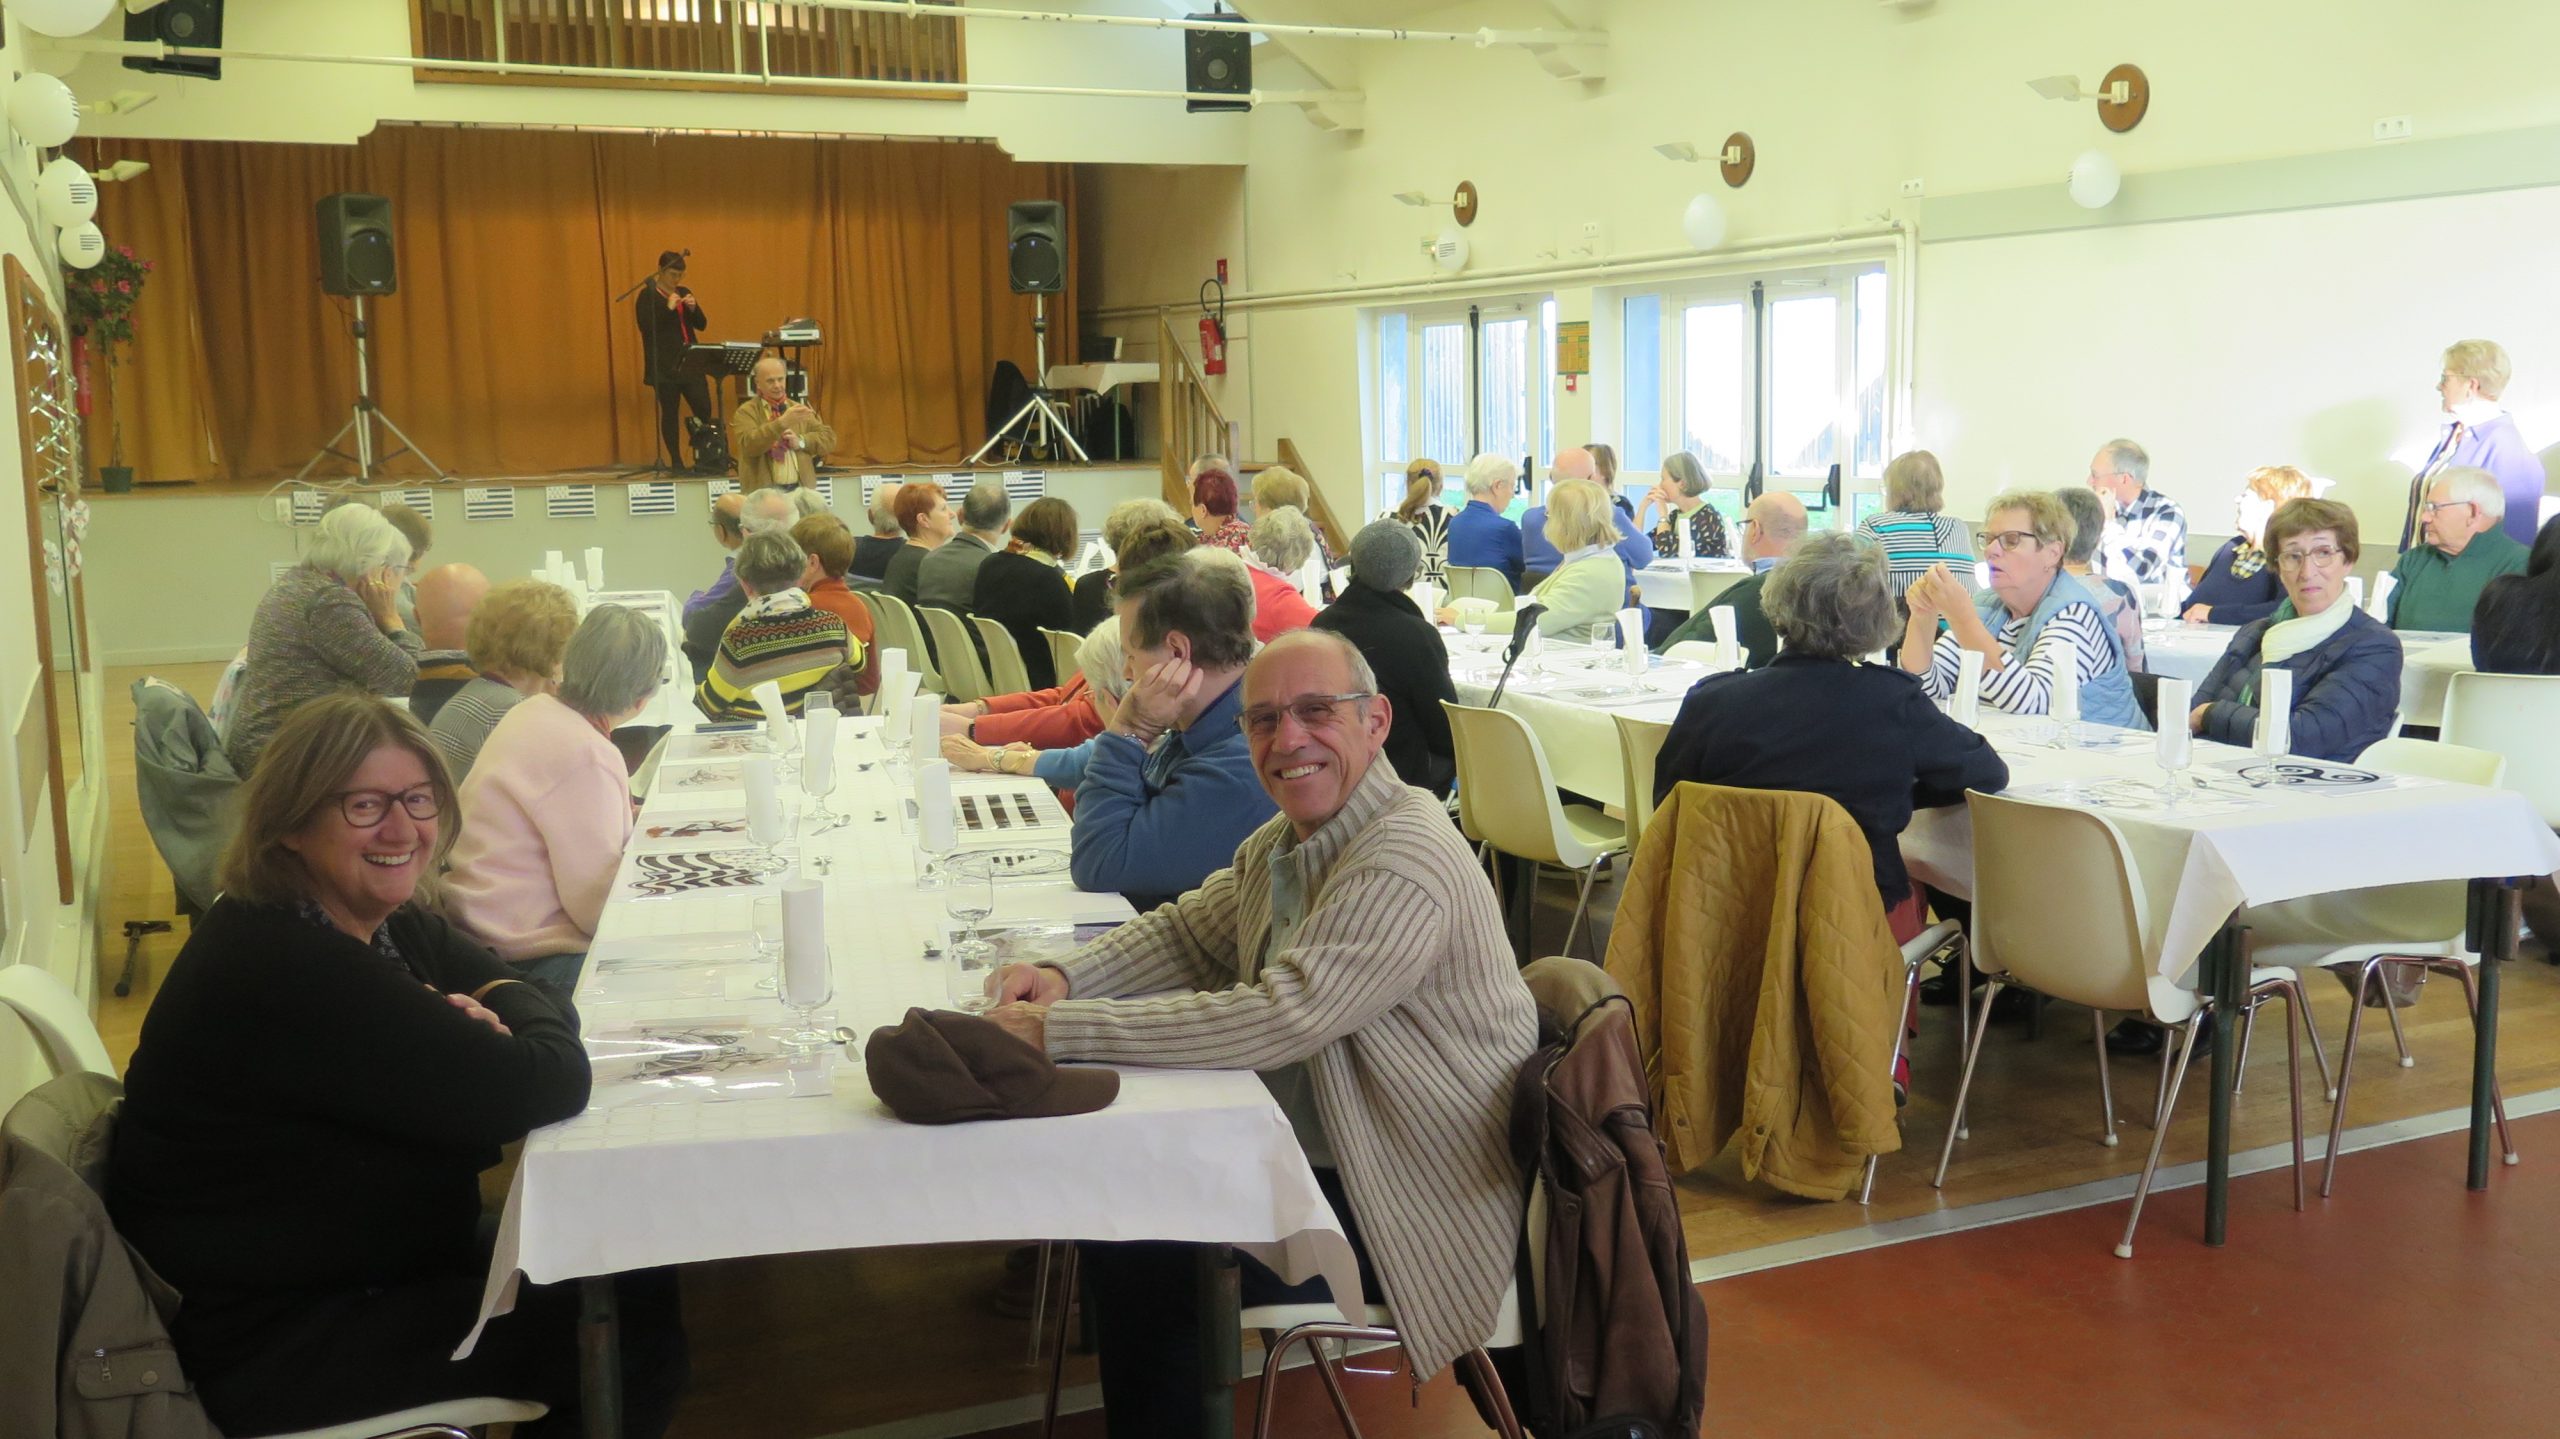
769	836
818	789
805	999
2173	749
764	921
969	896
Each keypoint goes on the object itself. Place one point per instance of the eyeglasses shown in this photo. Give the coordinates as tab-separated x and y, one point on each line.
2434	505
365	808
1310	711
2324	557
2002	541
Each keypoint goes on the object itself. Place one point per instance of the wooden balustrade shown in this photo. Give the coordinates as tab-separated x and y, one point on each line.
751	39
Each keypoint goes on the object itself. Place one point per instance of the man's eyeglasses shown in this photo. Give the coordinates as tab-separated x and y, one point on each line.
365	808
2324	557
1310	711
2002	541
2434	505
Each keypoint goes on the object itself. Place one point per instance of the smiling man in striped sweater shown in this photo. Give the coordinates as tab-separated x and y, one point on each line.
1354	956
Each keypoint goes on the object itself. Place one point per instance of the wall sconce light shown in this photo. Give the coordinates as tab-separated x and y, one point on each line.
1735	159
123	102
1462	203
123	170
2124	97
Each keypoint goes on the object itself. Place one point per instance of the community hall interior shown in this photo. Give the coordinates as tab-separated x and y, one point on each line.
2140	420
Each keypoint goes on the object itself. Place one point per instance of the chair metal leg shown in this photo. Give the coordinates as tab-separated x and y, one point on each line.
2346	1081
1964	1086
2497	1098
1505	1423
2399	1036
1039	1301
1058	1339
2160	1087
1901	1043
1267	1402
2160	1135
2106	1082
2319	1051
1582	905
2240	1063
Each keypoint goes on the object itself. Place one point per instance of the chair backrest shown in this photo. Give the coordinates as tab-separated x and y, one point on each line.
1506	795
1063	648
955	655
1478	582
2057	905
1639	745
897	628
2435	759
58	1018
1697	652
2517	716
1006	673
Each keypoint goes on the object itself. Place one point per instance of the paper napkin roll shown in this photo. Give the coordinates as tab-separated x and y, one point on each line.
1728	634
2065	706
1688	536
933	806
2275	710
595	568
552	564
1966	709
893	667
818	753
2355	591
777	716
807	976
924	724
1426	598
1631	650
764	802
2176	742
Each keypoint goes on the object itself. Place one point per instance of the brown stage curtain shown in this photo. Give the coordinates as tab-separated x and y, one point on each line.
502	353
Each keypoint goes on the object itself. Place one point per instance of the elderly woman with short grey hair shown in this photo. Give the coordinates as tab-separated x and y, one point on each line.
1093	587
330	623
1819	719
1281	542
546	811
1405	649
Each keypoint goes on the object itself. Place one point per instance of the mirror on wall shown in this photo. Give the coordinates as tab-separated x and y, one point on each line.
49	439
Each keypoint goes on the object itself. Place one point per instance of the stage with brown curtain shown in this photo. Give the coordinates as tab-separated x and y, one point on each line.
502	354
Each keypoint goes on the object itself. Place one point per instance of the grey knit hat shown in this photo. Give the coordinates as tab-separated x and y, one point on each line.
1385	556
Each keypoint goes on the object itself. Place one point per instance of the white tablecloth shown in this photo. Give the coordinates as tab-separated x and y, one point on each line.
1559	694
2429	661
1180	1155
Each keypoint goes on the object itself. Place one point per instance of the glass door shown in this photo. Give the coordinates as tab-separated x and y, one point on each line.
1455	381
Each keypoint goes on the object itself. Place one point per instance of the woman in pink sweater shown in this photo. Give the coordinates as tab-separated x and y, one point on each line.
546	809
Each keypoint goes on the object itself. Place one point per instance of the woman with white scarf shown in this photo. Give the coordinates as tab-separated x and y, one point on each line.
2345	663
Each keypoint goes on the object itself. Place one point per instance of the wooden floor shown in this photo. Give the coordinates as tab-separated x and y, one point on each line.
875	1337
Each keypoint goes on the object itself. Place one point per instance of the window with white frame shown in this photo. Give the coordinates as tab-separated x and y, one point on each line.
1453	380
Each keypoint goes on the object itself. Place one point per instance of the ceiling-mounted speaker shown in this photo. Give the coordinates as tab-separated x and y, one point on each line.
1035	247
1217	62
177	22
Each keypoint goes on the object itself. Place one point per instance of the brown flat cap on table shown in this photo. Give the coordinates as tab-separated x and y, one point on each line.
938	1066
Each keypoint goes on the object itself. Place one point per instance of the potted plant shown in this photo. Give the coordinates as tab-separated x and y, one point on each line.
101	300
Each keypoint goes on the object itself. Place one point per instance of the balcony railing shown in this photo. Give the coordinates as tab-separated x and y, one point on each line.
692	44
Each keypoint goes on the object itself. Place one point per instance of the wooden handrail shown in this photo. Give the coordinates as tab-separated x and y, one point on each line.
1326	524
1189	423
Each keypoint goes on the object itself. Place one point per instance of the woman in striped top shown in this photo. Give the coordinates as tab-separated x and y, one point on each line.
2033	620
1914	535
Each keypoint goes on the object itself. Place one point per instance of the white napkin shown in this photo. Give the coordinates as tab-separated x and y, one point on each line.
777	718
807	977
764	804
595	568
552	564
2355	591
1631	650
818	757
892	661
2177	701
2275	710
1426	598
2382	588
924	724
933	806
1728	635
2065	706
1688	536
1966	708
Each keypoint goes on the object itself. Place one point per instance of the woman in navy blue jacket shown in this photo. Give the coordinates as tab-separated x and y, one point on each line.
2345	663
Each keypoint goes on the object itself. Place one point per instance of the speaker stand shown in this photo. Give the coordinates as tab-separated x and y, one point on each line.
1031	425
365	416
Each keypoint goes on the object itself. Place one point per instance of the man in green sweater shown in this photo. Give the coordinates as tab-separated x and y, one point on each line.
2466	547
1773	526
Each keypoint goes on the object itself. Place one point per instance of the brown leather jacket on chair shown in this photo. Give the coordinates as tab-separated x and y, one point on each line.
1766	985
84	1338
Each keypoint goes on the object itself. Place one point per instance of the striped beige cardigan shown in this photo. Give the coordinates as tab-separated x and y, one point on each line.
1401	994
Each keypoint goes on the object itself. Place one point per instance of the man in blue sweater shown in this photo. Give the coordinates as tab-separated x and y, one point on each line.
1170	790
1539	559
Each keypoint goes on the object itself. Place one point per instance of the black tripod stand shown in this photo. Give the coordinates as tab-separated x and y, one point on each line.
1029	429
367	415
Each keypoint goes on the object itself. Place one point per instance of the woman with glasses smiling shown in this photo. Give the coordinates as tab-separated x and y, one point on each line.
2032	620
2345	663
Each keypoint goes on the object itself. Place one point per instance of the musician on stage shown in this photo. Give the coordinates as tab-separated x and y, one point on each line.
778	440
670	320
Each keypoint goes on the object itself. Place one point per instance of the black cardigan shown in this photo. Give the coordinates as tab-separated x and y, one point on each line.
1866	735
2231	600
1093	598
2515	629
303	1114
1025	596
1412	664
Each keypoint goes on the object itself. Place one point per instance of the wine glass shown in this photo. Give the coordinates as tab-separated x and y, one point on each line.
969	896
818	788
805	993
764	921
2173	752
769	831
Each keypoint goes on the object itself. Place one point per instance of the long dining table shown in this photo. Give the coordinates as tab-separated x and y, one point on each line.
2429	659
2247	829
709	1137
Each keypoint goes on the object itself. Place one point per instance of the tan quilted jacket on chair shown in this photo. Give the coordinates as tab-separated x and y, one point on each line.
1766	986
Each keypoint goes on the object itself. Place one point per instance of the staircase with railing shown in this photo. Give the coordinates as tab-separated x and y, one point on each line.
1189	424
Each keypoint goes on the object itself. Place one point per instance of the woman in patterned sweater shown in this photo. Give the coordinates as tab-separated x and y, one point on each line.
779	638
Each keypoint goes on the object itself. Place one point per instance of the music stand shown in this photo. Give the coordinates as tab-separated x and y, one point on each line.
716	362
367	413
1036	417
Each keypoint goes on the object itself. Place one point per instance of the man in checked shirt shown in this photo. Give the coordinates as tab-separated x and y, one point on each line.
2146	540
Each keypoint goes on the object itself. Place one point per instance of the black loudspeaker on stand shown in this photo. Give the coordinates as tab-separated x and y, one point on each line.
357	259
1036	265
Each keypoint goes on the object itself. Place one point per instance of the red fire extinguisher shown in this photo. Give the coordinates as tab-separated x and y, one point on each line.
1213	346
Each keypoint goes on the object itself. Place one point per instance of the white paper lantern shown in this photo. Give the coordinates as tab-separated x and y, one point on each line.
1450	252
65	194
61	18
2095	180
43	111
82	246
1703	221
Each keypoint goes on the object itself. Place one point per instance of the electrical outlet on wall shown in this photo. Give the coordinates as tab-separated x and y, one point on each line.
283	509
2391	127
1913	188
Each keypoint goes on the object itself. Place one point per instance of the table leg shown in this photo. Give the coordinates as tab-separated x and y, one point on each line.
2494	906
2226	971
600	1357
1222	1341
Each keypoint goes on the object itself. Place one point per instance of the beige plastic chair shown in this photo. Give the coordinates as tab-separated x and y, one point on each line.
955	655
1478	582
2415	928
2057	910
1063	648
2516	716
1639	745
1507	803
896	627
58	1021
1006	674
451	1419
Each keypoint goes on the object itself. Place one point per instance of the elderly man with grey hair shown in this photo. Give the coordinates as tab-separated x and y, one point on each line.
948	579
1541	558
1403	647
1771	529
2467	545
330	623
1282	541
2145	544
779	638
546	810
872	552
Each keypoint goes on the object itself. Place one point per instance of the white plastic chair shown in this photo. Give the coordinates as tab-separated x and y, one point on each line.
452	1419
1478	582
1006	673
1063	649
955	655
2057	909
1639	746
894	626
1507	803
59	1021
2516	716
